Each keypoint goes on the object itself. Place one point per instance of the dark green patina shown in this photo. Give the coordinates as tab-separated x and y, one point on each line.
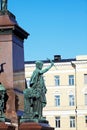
2	102
34	97
4	5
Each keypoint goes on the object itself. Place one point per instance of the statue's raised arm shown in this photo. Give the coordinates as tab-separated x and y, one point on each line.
4	5
42	71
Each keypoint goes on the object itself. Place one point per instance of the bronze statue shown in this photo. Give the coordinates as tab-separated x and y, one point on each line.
2	101
3	5
35	99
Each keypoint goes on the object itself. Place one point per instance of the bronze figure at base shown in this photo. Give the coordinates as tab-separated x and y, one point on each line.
35	101
34	97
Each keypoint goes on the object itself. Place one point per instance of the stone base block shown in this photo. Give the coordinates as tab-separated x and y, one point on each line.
4	126
34	126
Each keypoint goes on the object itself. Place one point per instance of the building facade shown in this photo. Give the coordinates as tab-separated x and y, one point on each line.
66	96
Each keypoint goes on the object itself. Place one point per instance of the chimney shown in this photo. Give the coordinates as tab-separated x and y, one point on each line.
57	57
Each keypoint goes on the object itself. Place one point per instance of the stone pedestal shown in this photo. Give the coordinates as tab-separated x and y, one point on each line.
34	126
12	55
4	126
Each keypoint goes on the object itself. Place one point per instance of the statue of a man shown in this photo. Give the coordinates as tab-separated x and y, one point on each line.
35	95
3	5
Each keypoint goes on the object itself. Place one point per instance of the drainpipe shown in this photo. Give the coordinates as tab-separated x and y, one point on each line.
74	66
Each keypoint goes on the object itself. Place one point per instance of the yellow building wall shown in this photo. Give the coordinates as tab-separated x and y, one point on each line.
64	111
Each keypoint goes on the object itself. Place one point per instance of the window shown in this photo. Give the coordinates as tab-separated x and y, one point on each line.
71	80
86	99
86	120
57	80
72	121
57	100
28	82
85	78
71	100
57	122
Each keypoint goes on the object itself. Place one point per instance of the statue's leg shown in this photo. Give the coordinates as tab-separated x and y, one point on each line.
37	109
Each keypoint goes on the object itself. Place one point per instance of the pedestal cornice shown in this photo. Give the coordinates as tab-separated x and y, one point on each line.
8	24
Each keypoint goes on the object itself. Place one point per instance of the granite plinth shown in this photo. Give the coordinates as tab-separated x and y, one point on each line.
34	126
4	126
12	57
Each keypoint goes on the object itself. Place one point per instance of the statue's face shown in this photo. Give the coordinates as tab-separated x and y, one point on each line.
40	66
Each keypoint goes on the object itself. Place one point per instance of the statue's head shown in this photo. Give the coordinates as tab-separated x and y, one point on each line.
39	64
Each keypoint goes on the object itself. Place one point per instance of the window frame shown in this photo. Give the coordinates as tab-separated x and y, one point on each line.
72	122
85	78
57	100
57	122
71	80
28	82
85	99
57	80
86	120
71	100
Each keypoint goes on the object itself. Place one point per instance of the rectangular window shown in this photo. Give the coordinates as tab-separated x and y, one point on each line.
72	121
86	120
71	100
57	122
57	100
86	99
57	80
71	80
27	82
85	78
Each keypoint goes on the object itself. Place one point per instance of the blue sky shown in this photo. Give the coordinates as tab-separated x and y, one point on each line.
55	27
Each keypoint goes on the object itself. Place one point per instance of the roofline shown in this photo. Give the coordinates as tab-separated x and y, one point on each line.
55	61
